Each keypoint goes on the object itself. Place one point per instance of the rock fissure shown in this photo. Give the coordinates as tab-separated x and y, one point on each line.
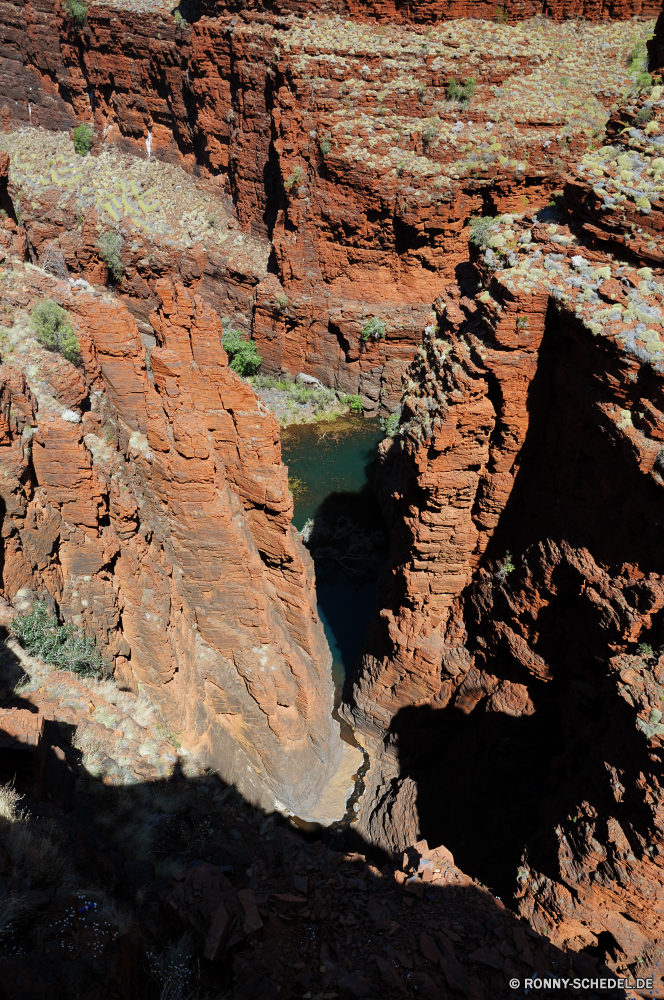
433	220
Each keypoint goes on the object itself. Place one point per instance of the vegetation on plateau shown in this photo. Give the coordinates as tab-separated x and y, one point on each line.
76	10
461	92
637	65
292	397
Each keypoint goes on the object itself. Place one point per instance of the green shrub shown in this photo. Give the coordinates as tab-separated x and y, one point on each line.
281	303
461	92
501	16
643	115
76	10
637	65
505	567
179	20
354	403
243	356
321	399
110	251
325	146
61	645
374	329
430	131
295	179
53	328
645	650
479	229
83	135
391	425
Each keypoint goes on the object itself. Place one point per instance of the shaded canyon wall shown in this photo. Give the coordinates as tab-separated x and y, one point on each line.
159	521
510	691
334	142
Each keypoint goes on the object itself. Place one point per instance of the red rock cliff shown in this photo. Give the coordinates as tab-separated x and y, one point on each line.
160	523
336	140
523	611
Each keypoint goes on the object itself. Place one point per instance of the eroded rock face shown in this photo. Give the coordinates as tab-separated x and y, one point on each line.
338	143
159	521
522	614
527	462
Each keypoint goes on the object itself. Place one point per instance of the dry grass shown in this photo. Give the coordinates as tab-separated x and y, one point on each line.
9	801
37	857
380	97
33	853
151	197
138	707
12	907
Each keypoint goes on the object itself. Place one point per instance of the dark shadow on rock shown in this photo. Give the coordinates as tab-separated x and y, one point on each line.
493	785
482	782
250	910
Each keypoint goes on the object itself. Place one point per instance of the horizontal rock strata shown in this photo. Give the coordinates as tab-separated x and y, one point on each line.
159	521
526	586
337	142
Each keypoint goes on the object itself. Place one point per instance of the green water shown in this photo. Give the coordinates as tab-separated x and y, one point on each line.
331	468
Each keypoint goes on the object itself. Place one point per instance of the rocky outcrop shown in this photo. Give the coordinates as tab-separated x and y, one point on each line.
522	614
159	521
337	142
356	157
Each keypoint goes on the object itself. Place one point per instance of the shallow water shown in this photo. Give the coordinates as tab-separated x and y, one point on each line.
331	467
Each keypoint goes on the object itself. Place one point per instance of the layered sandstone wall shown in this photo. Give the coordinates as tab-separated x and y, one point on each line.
526	590
158	520
337	143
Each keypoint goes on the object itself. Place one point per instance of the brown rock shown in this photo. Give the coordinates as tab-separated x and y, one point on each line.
219	934
428	948
495	507
251	920
215	569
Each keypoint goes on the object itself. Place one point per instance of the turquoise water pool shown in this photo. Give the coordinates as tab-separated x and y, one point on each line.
331	468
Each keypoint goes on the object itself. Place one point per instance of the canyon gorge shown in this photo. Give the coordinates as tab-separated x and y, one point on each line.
453	215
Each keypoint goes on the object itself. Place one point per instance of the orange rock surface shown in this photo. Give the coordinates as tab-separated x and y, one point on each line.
524	598
526	586
159	521
340	147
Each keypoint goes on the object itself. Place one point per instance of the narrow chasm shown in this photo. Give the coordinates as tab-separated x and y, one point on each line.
331	492
331	472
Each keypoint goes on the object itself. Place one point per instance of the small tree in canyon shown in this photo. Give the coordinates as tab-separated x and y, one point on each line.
76	10
243	357
82	137
374	329
52	326
110	251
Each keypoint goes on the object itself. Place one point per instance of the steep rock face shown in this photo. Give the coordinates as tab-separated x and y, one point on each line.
656	46
523	611
160	523
335	139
